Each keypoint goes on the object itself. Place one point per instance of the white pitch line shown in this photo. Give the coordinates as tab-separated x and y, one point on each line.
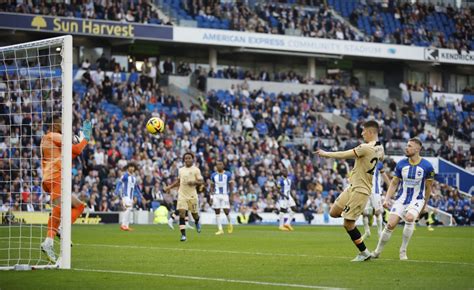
262	254
206	279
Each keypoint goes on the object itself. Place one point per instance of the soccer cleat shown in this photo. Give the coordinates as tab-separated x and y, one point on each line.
198	228
170	224
284	229
124	228
189	227
361	257
403	255
289	227
48	250
219	232
183	238
375	255
430	228
230	228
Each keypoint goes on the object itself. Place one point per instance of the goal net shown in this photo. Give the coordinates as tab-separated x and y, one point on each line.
35	92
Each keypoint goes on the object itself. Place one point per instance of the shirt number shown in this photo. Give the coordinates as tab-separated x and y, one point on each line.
374	161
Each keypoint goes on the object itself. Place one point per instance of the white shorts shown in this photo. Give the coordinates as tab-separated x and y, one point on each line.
127	202
220	201
401	209
375	202
286	203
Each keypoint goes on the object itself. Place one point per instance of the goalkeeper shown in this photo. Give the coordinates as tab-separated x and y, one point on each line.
51	144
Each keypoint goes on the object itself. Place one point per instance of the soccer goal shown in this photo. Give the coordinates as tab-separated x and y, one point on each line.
35	92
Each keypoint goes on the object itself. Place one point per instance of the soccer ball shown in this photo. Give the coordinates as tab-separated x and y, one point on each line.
155	126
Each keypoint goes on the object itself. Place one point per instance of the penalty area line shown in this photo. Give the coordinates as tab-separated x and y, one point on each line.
224	280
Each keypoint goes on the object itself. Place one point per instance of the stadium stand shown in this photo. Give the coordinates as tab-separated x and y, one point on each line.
405	23
418	24
125	11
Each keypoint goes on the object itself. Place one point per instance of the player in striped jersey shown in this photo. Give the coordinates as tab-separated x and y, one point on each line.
374	206
413	179
286	203
221	186
128	188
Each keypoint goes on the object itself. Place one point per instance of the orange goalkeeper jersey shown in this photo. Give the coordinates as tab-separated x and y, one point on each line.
51	155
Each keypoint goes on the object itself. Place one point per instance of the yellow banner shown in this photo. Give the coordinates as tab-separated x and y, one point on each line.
25	217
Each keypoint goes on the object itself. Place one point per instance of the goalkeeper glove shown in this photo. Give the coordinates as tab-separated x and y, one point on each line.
87	130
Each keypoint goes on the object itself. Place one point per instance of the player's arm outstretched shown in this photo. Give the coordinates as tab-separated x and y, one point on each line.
348	154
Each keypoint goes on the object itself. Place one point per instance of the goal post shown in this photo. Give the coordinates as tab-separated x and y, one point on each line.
35	89
66	186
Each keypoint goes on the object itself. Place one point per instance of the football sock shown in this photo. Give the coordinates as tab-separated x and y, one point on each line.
378	219
54	221
407	233
182	226
282	218
228	218
384	238
356	238
219	223
126	217
196	219
366	224
290	217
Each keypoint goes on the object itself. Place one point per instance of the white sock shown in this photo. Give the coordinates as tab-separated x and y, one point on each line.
126	217
219	222
290	217
407	233
378	219
366	225
48	241
384	238
282	218
171	220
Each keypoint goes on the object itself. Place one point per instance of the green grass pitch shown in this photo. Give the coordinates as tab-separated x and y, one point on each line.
253	257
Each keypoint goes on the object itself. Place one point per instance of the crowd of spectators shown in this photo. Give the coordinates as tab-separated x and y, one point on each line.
286	77
118	10
450	200
252	144
350	103
317	22
421	24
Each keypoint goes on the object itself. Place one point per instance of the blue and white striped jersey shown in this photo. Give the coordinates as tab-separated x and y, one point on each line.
377	179
412	179
221	182
285	187
127	186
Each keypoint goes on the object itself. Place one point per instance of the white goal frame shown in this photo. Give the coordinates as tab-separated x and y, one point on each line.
64	258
